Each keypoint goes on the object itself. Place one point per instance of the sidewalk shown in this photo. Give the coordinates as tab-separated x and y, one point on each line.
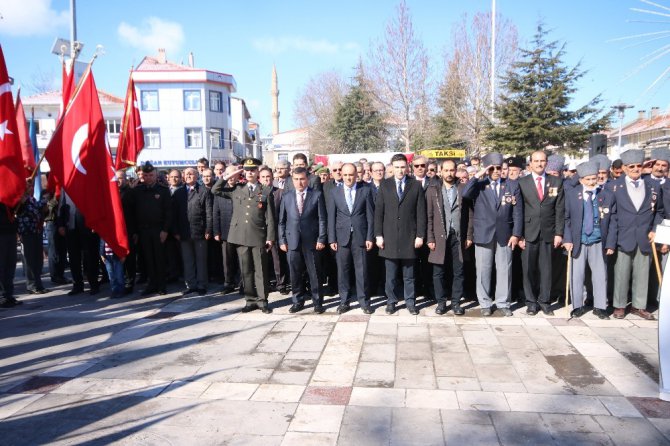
172	370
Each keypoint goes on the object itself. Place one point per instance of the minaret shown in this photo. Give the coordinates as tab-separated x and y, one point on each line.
275	101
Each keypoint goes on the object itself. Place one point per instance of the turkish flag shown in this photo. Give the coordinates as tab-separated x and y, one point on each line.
12	173
27	151
68	87
131	138
81	162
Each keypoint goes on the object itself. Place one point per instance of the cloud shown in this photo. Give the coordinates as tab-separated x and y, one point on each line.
154	33
31	17
278	45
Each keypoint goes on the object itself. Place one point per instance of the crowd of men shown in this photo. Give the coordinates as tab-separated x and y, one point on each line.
492	229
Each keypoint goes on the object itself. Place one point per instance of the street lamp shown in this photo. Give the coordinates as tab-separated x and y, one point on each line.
621	108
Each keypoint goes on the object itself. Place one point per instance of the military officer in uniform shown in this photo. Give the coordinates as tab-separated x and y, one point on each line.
151	205
252	231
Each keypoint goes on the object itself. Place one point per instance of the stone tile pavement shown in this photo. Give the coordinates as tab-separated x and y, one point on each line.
173	370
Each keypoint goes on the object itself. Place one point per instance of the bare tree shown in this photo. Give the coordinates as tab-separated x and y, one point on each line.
42	82
315	108
464	96
399	74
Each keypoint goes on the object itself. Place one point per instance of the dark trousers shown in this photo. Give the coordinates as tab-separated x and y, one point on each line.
33	260
376	273
453	262
537	269
356	257
231	264
393	286
174	263
7	263
214	260
56	251
423	273
280	266
154	255
305	258
255	274
82	250
130	265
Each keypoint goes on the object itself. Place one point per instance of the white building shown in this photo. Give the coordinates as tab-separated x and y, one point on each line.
245	140
186	112
284	145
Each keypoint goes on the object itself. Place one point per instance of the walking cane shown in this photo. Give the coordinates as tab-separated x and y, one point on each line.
656	264
567	278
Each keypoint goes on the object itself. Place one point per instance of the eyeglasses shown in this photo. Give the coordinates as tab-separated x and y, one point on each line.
634	166
496	168
336	170
420	165
431	170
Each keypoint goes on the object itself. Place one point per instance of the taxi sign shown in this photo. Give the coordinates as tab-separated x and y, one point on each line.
443	153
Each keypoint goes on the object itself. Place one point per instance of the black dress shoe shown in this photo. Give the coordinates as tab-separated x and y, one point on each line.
441	308
390	308
531	311
296	307
266	309
249	307
128	290
202	291
343	308
188	291
75	290
412	310
579	312
548	311
10	302
38	291
227	289
458	311
367	309
318	309
284	290
602	314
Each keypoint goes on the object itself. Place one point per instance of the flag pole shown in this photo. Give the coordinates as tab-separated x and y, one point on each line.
126	117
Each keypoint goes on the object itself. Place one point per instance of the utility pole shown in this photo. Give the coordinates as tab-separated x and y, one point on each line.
493	58
621	108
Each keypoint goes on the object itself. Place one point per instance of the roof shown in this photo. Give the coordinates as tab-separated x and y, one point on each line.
54	97
640	125
151	63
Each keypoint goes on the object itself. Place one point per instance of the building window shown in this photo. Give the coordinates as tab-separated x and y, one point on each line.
194	138
191	100
229	105
152	138
149	100
113	126
215	102
216	138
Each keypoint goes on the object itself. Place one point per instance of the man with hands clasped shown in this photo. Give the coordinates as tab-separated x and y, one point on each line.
589	236
498	226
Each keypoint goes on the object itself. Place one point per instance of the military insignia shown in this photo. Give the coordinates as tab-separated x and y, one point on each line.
260	205
653	196
508	199
553	191
606	210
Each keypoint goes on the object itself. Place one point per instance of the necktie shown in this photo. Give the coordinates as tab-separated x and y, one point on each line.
588	214
636	183
540	189
399	189
494	185
301	202
338	183
251	188
350	200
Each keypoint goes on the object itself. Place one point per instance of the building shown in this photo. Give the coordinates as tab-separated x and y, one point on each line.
283	145
186	112
46	108
648	131
244	132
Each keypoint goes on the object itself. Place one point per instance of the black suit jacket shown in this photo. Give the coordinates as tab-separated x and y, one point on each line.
543	219
308	228
193	212
356	226
400	221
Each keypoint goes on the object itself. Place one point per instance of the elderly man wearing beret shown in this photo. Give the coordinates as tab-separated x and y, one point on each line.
498	226
639	210
589	236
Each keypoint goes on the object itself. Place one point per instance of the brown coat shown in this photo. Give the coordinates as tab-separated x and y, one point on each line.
435	218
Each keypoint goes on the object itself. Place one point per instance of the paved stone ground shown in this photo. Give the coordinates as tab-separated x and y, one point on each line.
172	370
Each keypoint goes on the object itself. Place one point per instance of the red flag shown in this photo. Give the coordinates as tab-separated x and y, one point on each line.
27	151
68	87
11	162
131	138
81	162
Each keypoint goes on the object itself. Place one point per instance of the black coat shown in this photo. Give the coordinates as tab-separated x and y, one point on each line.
543	219
221	215
400	221
193	212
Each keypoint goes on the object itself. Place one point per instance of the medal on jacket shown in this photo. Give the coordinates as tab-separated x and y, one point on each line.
260	201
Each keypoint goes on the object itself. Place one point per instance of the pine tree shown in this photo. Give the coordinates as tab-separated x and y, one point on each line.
533	111
358	126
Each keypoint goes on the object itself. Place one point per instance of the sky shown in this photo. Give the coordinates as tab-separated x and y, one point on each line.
304	38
